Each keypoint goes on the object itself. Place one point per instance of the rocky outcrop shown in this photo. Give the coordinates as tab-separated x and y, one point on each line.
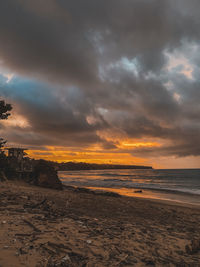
45	175
2	176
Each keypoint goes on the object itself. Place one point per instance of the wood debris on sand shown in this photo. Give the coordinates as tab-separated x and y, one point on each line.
44	227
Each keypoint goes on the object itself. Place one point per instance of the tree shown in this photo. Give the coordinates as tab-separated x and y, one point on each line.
4	113
4	110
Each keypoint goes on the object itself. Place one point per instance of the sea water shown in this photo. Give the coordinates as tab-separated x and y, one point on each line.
182	185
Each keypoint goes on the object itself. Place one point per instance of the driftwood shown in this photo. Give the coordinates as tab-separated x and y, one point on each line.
33	206
38	204
32	226
58	247
18	234
52	252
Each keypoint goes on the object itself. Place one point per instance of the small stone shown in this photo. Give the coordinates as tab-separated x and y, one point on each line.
4	222
89	241
138	191
188	249
194	247
150	262
22	251
66	258
24	197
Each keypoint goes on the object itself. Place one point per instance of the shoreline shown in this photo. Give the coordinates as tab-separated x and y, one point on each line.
176	197
146	196
45	227
153	185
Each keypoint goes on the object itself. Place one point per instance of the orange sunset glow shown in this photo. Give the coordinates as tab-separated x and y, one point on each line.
100	133
100	90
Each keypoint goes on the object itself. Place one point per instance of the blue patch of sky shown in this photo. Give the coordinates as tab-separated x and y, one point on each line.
26	90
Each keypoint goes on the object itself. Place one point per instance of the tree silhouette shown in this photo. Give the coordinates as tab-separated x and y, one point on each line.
4	113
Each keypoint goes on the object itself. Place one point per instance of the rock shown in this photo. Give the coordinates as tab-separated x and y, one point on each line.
65	259
45	175
70	260
194	247
3	177
138	191
84	190
149	262
188	249
107	194
22	251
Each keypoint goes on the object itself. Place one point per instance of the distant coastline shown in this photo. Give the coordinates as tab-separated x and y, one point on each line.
75	166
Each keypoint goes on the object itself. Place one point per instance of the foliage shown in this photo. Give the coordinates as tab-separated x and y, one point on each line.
43	166
4	113
4	110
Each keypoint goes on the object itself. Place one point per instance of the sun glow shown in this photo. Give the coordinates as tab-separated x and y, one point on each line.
139	144
123	153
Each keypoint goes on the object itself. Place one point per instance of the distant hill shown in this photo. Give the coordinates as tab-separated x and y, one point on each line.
72	166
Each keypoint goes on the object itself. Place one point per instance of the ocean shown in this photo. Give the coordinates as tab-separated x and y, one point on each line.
181	185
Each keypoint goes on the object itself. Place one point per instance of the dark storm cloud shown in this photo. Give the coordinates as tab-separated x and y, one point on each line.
53	120
56	38
107	64
36	44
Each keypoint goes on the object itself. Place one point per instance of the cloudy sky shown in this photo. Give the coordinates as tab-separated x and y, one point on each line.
114	81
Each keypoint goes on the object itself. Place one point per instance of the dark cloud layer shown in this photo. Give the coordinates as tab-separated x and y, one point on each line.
103	65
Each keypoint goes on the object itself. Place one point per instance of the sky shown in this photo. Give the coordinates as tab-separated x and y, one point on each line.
108	81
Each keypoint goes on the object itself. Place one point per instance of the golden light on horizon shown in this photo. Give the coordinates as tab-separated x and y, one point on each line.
140	144
86	156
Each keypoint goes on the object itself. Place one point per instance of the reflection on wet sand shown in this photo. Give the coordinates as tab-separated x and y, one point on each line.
153	194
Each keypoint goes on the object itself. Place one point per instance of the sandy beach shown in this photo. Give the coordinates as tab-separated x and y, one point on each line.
44	227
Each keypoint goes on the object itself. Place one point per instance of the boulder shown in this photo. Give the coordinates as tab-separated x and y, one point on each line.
2	176
45	175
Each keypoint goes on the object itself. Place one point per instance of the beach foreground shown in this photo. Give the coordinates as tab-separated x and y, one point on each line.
44	227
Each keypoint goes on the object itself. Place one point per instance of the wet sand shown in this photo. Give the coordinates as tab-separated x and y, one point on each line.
44	227
167	196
